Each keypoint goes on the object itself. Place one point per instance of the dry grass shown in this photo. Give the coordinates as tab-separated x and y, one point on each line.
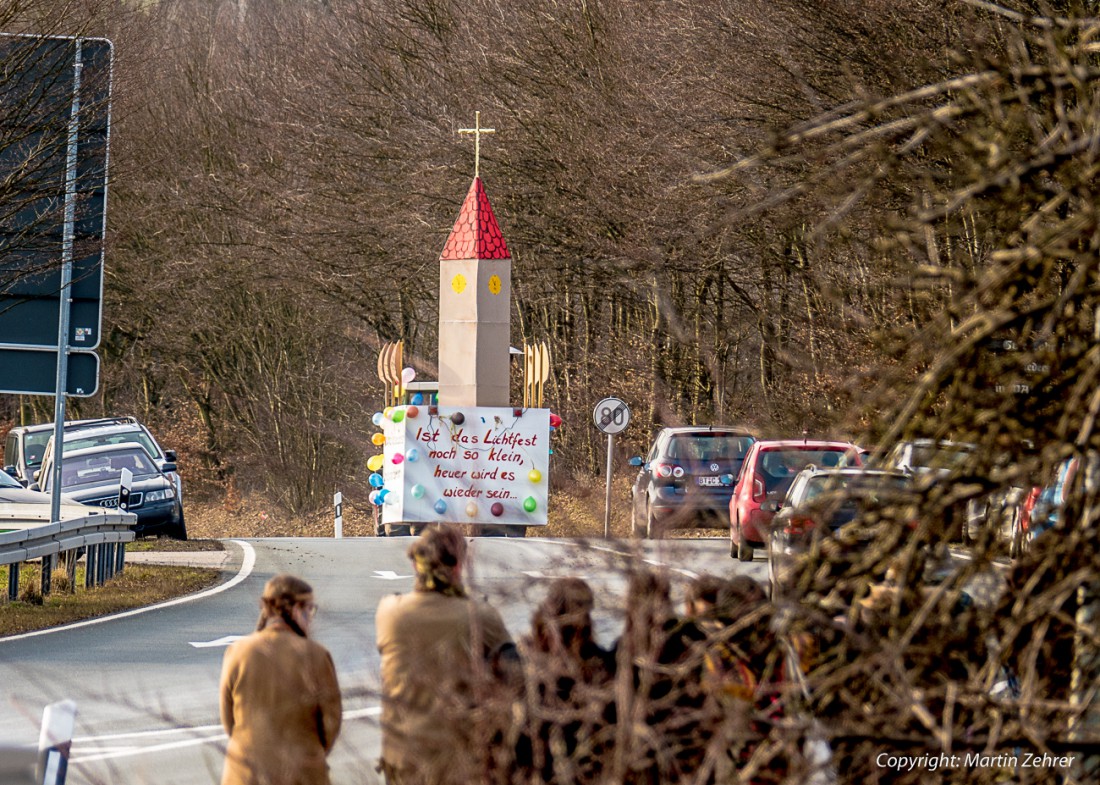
137	585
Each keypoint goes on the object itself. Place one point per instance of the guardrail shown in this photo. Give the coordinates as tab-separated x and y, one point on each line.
102	535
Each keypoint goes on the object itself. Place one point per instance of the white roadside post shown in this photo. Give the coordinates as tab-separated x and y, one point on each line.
611	416
54	741
338	503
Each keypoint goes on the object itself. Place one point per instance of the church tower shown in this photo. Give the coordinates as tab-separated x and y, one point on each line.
475	296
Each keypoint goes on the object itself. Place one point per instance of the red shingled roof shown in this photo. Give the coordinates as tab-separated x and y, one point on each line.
476	234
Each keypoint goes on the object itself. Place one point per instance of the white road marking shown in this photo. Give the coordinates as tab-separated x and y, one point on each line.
246	569
652	562
223	641
389	575
203	734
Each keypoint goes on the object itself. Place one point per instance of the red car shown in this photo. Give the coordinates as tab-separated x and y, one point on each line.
768	470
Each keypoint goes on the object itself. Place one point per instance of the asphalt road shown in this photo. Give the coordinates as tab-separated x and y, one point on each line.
146	695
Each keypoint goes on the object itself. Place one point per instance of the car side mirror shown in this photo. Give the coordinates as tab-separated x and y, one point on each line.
168	466
170	456
635	461
33	487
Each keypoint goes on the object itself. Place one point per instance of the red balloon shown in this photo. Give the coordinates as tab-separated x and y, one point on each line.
497	509
555	421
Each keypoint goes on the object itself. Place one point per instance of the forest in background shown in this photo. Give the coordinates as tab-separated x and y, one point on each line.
283	176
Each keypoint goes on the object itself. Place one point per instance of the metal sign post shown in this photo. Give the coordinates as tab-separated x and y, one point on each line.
611	416
338	503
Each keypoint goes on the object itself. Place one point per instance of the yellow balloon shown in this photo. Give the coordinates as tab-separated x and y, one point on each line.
374	463
378	439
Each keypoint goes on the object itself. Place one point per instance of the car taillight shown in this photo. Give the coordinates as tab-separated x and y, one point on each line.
758	490
798	525
666	470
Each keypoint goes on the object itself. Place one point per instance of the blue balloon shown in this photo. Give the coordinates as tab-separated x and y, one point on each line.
377	418
382	494
441	506
418	400
413	455
376	480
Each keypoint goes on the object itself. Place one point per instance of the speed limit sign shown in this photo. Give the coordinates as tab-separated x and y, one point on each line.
611	415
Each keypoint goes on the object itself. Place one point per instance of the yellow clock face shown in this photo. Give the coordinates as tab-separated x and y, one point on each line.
458	283
494	284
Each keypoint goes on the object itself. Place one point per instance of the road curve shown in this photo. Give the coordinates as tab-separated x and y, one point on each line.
145	682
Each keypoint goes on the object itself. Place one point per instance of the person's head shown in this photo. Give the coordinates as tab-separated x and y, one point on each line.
290	599
564	618
738	596
438	556
702	594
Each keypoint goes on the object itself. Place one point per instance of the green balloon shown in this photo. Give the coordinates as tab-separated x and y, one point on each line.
530	504
398	415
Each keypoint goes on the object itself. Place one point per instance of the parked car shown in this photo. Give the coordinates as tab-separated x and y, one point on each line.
686	478
81	434
24	447
767	473
20	504
820	502
932	461
929	457
93	476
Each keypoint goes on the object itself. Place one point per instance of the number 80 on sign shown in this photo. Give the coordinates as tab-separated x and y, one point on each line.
611	415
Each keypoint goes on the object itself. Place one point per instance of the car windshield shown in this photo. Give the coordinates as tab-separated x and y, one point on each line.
940	456
777	468
865	486
715	447
136	436
34	447
105	467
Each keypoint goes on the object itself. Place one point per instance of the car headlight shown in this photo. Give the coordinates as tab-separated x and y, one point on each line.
159	496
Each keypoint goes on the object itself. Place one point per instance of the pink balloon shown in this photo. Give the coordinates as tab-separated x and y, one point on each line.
398	458
408	375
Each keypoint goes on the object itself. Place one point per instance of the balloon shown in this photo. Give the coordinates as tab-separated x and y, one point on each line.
471	510
408	375
374	463
377	418
435	398
397	459
390	498
382	496
378	439
411	411
497	509
534	475
417	491
418	399
530	504
413	455
555	421
458	418
374	497
441	506
398	415
376	480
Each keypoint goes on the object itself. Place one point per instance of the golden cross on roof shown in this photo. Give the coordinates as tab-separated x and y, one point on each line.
477	131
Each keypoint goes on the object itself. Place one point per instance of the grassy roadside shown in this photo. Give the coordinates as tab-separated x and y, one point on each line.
136	586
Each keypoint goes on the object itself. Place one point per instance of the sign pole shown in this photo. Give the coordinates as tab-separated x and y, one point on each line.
611	416
65	295
607	500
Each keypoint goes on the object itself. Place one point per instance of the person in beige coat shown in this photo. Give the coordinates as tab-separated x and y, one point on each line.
280	701
434	642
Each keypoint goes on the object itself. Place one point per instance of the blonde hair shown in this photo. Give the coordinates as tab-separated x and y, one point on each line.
281	594
438	555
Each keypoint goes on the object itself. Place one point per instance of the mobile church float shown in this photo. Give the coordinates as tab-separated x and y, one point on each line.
466	454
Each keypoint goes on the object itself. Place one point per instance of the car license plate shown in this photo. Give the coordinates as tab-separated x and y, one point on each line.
709	481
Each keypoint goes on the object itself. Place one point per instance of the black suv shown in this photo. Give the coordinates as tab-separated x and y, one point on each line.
687	479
